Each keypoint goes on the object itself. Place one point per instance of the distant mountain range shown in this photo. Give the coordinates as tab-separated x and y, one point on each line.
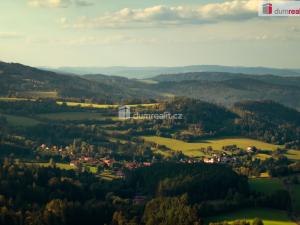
218	87
146	72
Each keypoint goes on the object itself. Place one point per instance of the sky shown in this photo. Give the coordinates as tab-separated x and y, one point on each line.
55	33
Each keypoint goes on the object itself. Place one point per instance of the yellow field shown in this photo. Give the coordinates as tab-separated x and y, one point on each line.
192	149
51	94
293	154
101	106
262	156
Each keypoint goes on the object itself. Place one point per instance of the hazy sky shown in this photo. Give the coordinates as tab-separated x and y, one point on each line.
145	33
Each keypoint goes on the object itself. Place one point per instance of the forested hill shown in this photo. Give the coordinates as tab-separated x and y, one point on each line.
222	76
20	80
269	110
269	121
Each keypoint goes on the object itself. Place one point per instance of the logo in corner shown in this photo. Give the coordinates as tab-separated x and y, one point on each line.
267	8
124	112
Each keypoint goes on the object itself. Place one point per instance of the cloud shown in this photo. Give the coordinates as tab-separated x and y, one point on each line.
171	15
10	35
58	3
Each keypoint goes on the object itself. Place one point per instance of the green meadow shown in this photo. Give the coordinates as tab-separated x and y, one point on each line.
295	192
269	216
39	94
63	166
192	149
266	185
17	121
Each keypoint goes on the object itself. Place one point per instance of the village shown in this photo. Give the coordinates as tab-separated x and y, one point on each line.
85	159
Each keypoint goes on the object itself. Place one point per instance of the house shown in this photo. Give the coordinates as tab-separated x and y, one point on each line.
108	162
209	160
74	163
147	164
251	149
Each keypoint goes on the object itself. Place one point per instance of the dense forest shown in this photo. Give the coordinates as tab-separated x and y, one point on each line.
50	196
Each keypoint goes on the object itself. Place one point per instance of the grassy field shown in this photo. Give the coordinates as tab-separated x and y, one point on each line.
5	99
293	154
107	175
192	149
63	166
39	94
101	106
266	185
73	116
17	121
296	198
262	156
269	216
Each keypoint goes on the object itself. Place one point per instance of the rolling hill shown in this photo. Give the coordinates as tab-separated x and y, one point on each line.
146	72
22	81
218	87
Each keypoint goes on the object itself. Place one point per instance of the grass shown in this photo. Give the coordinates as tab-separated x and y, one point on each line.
293	154
107	175
296	198
17	121
63	166
73	116
40	94
100	106
149	81
266	185
262	156
269	216
5	99
192	149
93	169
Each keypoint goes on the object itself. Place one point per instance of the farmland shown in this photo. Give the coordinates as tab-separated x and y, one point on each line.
216	144
192	149
269	217
100	106
32	96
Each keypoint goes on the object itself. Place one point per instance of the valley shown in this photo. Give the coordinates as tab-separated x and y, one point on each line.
69	146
